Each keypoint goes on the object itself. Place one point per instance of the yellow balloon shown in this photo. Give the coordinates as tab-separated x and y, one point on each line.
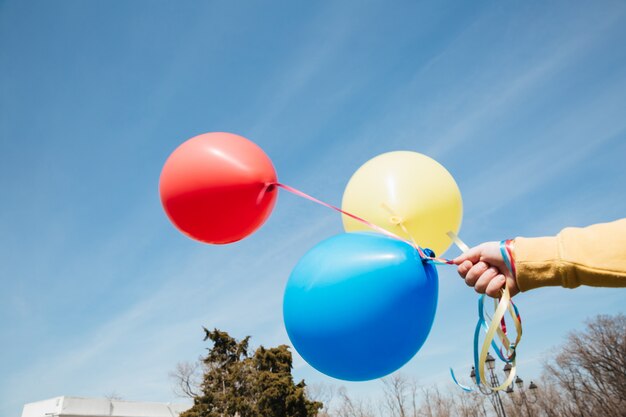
408	194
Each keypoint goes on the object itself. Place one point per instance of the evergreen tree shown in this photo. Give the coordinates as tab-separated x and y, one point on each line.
236	383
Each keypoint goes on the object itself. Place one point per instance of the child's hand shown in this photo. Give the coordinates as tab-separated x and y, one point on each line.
483	268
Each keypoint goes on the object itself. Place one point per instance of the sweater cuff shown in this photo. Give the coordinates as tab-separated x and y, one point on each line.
538	262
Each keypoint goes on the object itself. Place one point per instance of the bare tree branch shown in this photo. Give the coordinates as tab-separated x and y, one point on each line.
187	379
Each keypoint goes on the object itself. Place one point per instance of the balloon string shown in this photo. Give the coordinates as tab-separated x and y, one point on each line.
369	224
353	216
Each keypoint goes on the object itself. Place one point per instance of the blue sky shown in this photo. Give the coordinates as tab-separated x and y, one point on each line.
524	103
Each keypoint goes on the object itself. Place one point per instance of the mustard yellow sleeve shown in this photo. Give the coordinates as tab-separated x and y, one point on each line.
594	255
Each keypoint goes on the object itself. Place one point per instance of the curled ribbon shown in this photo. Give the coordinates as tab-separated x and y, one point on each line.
493	327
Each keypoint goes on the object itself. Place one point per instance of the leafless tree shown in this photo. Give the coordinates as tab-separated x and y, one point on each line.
590	368
399	396
467	404
352	407
324	393
187	379
403	397
437	404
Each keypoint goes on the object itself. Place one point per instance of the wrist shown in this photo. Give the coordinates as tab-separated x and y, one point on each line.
509	245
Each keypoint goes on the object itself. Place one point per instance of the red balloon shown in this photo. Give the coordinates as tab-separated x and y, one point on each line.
218	187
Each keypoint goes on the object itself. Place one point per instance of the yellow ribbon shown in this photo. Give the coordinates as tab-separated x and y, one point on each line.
493	330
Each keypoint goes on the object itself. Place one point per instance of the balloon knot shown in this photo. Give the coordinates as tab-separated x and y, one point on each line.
268	188
396	220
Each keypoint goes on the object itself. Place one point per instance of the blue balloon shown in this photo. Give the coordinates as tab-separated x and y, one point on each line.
358	306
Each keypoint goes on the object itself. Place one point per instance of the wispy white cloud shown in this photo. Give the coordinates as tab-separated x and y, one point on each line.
473	102
327	35
587	128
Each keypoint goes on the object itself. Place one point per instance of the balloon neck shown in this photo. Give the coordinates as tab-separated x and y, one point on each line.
429	252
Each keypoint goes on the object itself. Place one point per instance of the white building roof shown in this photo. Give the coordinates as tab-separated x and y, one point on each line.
98	407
